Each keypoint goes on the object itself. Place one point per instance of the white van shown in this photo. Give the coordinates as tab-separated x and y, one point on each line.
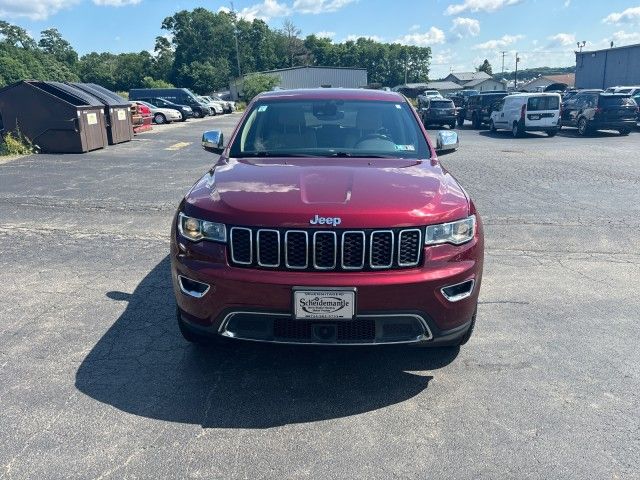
527	112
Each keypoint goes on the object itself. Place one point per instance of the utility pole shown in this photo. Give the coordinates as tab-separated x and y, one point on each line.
235	34
515	78
503	54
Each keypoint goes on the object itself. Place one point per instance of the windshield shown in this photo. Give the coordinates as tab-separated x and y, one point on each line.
330	128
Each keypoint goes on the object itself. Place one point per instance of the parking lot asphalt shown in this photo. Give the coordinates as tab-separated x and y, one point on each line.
97	382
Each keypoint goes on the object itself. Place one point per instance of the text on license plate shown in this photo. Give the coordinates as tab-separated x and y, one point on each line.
324	304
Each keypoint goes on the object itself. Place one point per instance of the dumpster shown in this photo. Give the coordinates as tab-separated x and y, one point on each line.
116	111
54	116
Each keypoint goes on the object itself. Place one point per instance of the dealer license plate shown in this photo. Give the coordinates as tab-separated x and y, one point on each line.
324	304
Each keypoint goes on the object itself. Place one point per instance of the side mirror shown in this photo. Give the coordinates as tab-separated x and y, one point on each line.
446	142
213	141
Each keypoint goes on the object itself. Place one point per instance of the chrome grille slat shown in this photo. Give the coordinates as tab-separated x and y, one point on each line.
325	250
319	250
380	242
239	242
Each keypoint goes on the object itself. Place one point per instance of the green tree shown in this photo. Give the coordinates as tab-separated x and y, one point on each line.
51	42
258	83
485	67
98	68
16	36
164	58
205	77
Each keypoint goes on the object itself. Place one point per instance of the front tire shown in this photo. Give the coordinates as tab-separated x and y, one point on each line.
583	127
624	131
159	119
197	114
460	122
475	122
452	125
553	132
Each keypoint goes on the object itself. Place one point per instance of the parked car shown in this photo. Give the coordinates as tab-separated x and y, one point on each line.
591	111
479	107
216	107
162	115
438	111
226	106
636	98
327	261
431	93
181	96
231	105
527	112
185	110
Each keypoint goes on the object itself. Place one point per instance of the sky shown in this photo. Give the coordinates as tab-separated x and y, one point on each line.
461	33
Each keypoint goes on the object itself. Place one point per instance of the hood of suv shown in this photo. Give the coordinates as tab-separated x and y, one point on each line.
363	193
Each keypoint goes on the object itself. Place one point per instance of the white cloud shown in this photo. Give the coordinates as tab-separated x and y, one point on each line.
479	5
319	6
116	3
465	27
325	34
562	40
502	42
621	38
33	9
630	15
431	37
264	11
414	27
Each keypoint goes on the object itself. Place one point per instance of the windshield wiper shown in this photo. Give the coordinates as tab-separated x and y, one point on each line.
358	155
273	154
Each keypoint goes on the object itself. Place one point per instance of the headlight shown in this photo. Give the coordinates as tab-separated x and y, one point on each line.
186	109
195	229
458	232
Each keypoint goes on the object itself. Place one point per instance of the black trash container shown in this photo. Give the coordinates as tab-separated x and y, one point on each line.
117	112
54	116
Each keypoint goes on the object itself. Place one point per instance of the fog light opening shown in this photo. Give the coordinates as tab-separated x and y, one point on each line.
459	291
192	288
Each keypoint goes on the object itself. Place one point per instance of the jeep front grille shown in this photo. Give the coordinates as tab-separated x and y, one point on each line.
325	250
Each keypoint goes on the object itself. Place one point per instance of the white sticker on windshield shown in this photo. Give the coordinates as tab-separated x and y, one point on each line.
406	148
398	106
263	108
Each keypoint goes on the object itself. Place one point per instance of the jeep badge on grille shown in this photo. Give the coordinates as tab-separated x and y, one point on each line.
318	220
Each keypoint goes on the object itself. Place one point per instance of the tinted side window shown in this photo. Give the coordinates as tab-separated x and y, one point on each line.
616	102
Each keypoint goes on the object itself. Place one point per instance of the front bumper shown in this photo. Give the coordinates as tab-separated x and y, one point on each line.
392	306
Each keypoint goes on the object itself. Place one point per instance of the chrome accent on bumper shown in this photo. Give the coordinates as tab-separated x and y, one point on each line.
425	336
189	292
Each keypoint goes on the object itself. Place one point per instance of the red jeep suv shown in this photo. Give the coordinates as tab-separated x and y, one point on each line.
328	219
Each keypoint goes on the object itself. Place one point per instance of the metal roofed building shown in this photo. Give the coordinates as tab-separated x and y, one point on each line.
310	77
610	67
462	78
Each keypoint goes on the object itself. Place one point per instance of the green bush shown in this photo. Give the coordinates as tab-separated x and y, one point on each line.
15	144
149	82
257	83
